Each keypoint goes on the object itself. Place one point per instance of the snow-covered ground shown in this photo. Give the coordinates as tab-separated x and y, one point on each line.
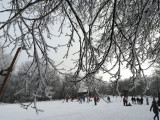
59	110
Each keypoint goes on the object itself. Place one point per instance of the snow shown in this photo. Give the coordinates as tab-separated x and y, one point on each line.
82	90
60	110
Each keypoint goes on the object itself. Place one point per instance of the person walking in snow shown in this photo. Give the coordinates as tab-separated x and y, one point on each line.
147	101
80	101
141	100
138	100
124	101
83	99
66	98
132	99
155	109
108	98
95	100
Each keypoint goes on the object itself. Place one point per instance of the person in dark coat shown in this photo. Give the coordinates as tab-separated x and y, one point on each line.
138	100
147	101
124	101
132	99
95	100
108	98
141	100
155	109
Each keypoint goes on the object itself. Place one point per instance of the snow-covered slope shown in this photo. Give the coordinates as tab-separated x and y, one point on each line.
59	110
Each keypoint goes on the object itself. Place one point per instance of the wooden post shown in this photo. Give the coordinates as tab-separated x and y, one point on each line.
9	70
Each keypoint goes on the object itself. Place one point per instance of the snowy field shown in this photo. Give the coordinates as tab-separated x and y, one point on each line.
57	110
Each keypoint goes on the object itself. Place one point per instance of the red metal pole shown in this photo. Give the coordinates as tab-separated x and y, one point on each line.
9	70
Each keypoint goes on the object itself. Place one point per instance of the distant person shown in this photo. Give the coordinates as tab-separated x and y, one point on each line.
155	109
78	98
66	98
135	100
83	98
124	101
88	99
95	100
141	100
108	98
129	104
80	101
138	100
72	98
147	101
132	99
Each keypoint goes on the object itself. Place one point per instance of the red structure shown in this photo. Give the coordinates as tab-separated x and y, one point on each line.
7	71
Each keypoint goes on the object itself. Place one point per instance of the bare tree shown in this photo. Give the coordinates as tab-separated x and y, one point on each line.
117	31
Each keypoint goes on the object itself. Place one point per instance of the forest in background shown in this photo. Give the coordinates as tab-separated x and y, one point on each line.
22	83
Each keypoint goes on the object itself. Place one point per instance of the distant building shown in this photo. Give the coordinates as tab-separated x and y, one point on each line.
83	91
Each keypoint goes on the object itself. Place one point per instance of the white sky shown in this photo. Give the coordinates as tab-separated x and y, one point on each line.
58	57
68	63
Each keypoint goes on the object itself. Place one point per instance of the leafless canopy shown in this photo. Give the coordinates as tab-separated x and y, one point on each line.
123	31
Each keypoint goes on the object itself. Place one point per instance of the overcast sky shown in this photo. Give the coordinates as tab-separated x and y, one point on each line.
68	63
58	57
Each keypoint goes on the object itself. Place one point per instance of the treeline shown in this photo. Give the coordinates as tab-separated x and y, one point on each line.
23	82
21	85
126	87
